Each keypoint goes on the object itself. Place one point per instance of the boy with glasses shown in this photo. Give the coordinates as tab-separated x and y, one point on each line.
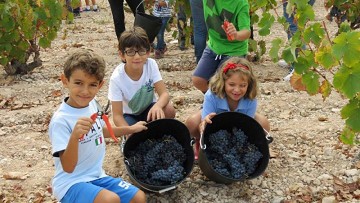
136	89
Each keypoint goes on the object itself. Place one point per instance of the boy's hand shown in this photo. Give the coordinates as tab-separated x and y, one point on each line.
230	30
139	126
82	126
155	113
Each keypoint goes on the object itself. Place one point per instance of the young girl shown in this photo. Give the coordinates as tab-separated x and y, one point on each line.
228	24
232	88
134	82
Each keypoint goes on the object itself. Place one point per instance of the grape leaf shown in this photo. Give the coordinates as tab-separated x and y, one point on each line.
325	58
351	113
274	51
325	89
311	81
314	34
346	80
347	136
347	47
296	82
265	24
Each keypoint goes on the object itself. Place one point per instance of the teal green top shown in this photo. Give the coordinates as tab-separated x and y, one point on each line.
236	12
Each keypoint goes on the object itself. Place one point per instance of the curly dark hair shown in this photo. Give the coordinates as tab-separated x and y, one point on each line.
87	61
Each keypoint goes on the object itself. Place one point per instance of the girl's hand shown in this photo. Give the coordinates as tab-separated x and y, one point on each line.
207	120
82	127
139	126
155	113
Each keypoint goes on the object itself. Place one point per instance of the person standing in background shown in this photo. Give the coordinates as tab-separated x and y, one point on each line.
162	10
228	24
200	29
117	10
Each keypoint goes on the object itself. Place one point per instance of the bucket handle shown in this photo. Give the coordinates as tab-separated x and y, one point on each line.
139	5
268	137
202	146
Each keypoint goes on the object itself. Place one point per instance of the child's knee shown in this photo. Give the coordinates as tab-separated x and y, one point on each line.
139	197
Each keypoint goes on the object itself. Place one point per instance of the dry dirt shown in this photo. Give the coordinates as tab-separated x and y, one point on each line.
308	162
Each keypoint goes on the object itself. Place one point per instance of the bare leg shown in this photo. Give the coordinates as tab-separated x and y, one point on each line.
263	121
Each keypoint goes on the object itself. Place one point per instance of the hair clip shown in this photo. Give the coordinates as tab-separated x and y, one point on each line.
233	66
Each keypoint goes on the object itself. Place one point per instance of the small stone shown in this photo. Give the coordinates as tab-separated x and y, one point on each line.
330	199
351	172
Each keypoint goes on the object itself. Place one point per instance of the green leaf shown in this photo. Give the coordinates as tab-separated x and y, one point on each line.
262	47
351	113
325	58
265	24
44	42
303	15
346	80
314	34
325	89
347	136
274	51
4	61
347	47
252	45
311	81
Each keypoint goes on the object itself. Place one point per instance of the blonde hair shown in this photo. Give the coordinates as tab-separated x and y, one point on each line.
217	81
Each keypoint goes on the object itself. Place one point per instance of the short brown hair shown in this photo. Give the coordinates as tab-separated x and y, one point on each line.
87	61
135	37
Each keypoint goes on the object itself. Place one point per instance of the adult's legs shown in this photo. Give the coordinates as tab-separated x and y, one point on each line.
117	10
200	29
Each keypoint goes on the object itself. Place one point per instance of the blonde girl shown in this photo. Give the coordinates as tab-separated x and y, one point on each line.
232	88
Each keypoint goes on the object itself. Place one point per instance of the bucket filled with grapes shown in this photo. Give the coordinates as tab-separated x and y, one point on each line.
161	157
234	147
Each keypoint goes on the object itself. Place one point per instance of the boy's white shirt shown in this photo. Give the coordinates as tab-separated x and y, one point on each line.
134	95
91	147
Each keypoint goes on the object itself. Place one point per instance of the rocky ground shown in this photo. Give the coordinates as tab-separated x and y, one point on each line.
308	163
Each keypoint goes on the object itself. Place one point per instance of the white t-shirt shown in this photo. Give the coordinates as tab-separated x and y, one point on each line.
135	96
91	147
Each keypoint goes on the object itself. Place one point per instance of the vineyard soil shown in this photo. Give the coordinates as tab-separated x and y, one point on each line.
308	163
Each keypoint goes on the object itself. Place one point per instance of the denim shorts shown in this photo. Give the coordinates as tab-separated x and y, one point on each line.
87	191
131	119
209	63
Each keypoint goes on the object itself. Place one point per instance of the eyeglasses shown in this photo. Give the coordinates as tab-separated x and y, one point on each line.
132	52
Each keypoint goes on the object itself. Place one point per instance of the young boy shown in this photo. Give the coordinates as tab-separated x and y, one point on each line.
134	82
78	145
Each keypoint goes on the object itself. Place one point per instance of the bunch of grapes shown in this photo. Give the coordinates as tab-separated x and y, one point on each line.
158	162
231	155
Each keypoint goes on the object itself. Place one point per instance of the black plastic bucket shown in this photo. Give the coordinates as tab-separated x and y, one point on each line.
156	130
251	128
151	24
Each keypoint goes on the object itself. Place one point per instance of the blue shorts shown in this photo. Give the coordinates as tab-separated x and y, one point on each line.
87	191
209	63
131	119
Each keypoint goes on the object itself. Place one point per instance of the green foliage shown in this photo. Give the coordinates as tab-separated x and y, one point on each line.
327	63
27	25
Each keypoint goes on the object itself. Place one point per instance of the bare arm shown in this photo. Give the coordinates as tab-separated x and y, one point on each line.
125	130
156	111
118	116
237	35
69	156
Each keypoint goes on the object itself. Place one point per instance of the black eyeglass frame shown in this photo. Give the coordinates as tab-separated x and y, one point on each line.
141	52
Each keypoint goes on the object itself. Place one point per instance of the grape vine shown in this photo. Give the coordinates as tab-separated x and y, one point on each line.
27	25
328	63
